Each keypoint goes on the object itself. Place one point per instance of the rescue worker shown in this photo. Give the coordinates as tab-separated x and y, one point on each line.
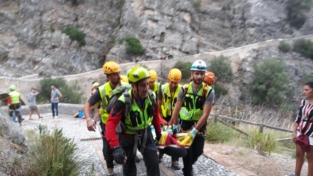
124	78
14	105
136	133
102	95
193	106
153	84
167	98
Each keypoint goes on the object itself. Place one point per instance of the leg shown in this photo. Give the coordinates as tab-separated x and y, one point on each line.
56	109
187	160
31	112
197	148
52	109
13	115
107	152
309	156
129	168
150	156
299	160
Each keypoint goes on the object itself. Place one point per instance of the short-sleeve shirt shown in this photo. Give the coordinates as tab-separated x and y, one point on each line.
32	99
55	95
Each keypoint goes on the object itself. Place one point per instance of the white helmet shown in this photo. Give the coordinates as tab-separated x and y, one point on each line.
199	65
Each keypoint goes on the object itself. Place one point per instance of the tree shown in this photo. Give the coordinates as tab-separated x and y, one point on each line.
221	68
269	84
133	45
295	10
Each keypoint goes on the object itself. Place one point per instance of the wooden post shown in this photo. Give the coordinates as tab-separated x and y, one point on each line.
261	128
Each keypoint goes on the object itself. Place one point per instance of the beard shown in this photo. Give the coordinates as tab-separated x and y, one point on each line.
197	81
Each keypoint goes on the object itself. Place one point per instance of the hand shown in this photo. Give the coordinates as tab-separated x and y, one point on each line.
91	126
294	136
192	133
119	155
176	129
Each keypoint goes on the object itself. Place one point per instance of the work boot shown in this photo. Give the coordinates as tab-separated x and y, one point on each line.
137	160
175	165
111	171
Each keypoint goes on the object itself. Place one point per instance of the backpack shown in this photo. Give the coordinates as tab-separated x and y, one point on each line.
116	93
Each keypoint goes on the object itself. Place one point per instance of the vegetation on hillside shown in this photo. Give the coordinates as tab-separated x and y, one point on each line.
133	45
304	47
269	84
75	34
295	12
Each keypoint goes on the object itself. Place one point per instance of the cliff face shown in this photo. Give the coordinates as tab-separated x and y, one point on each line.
32	41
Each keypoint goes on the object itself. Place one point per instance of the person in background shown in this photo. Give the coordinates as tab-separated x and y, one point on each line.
137	133
303	124
55	96
153	84
167	98
94	111
124	78
32	103
193	106
15	103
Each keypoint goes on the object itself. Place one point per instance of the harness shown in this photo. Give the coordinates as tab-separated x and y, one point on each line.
140	135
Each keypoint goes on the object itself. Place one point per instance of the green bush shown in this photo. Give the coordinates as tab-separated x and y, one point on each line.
52	29
221	68
219	91
295	10
217	132
53	154
269	82
184	67
75	34
304	47
133	45
71	93
197	5
284	47
265	144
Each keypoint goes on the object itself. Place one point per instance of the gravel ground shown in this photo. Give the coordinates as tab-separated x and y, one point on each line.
76	129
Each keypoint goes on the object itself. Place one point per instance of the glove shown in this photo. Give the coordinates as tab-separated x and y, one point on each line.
188	139
119	155
176	129
192	133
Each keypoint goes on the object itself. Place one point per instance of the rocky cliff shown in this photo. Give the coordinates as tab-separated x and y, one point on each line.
32	41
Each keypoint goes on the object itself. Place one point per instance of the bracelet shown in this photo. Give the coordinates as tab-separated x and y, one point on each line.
88	119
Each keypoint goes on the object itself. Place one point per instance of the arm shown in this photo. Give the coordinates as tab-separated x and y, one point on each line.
94	99
113	120
156	120
294	133
175	114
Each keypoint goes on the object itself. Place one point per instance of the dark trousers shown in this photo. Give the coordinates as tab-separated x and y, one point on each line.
15	107
54	106
107	152
194	151
149	154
